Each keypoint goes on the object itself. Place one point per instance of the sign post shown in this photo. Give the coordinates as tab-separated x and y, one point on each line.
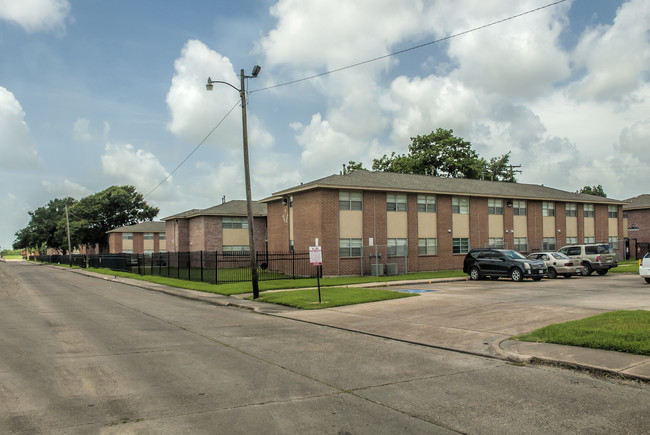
316	259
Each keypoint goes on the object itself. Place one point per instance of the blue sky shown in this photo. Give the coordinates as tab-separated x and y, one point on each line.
96	93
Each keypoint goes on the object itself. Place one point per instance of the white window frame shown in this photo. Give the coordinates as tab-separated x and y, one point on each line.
350	200
571	209
460	205
428	246
427	204
548	209
395	202
519	207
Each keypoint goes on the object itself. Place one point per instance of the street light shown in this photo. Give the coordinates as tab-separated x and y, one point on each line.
249	204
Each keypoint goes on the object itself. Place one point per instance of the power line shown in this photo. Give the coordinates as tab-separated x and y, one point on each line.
416	47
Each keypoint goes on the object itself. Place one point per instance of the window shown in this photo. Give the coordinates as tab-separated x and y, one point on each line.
612	212
127	251
520	244
460	246
548	208
459	205
396	247
162	236
548	244
396	202
148	252
427	203
590	240
427	246
235	222
589	210
495	242
571	209
127	236
290	245
613	241
350	200
148	236
571	240
519	208
495	206
349	248
236	250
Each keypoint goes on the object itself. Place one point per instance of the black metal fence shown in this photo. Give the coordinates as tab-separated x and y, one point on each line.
204	266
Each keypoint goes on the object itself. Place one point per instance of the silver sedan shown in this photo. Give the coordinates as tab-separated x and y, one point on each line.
558	264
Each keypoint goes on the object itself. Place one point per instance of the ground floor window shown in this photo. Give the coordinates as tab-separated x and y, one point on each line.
548	244
460	246
396	247
613	242
496	242
571	240
349	248
590	240
236	249
427	246
520	244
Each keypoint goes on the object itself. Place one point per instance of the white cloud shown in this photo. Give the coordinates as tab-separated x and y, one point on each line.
126	165
36	15
195	111
635	141
65	188
616	58
16	146
81	130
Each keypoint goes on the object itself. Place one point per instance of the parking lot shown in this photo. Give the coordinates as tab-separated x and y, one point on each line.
474	316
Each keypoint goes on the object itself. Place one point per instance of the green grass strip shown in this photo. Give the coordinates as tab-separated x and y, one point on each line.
307	299
622	331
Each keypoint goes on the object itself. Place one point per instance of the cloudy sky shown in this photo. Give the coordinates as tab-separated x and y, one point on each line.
98	93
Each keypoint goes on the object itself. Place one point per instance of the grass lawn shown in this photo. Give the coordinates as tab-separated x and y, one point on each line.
626	266
330	297
622	331
279	284
13	257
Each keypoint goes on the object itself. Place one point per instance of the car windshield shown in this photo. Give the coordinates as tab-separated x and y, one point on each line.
560	256
513	255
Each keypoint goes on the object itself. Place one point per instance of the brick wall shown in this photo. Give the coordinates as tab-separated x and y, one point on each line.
535	225
560	224
601	227
445	256
640	218
478	222
278	226
115	243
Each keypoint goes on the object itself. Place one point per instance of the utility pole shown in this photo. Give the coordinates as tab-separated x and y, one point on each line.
67	225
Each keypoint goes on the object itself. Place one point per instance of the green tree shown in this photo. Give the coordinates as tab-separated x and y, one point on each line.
593	190
44	226
111	208
351	167
442	154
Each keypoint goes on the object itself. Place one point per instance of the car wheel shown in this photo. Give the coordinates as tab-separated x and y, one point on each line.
647	280
552	273
538	278
602	272
567	276
516	275
587	269
474	274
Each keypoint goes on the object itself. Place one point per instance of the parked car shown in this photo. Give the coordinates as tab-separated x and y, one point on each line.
502	262
644	267
558	264
599	257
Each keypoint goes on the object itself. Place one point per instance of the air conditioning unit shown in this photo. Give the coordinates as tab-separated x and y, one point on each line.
392	269
376	269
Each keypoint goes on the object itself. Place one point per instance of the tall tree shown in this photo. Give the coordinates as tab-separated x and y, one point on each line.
44	227
442	154
351	167
111	208
593	190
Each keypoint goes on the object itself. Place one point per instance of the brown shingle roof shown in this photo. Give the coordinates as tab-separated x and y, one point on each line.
230	208
142	227
638	202
394	182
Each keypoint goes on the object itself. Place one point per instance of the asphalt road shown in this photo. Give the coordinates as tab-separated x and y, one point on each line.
85	355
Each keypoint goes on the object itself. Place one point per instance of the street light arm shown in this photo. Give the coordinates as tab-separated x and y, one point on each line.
208	85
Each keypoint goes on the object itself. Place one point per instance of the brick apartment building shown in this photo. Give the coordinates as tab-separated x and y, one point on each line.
637	219
220	228
142	238
366	220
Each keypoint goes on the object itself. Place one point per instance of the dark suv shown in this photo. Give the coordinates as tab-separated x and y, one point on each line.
502	262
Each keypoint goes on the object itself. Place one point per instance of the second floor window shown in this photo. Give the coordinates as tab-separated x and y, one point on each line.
427	203
495	206
148	236
235	222
396	202
127	236
612	211
459	205
350	201
548	208
519	208
589	211
571	209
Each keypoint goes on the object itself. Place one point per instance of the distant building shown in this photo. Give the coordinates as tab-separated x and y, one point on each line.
221	228
637	216
142	238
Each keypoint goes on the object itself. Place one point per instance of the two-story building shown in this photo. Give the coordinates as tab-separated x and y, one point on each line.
365	220
142	238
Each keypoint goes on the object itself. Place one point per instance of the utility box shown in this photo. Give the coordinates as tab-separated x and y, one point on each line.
392	269
376	269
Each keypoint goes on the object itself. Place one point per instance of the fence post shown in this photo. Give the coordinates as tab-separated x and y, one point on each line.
201	258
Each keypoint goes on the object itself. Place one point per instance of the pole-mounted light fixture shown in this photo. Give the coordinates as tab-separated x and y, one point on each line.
249	204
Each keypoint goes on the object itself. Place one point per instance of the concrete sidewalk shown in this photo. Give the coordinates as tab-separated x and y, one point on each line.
377	320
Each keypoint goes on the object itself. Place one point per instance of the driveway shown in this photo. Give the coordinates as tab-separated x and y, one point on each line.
475	316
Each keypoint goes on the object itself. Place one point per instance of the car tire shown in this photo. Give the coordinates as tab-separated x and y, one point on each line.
647	280
516	274
538	278
602	272
587	269
552	273
474	274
